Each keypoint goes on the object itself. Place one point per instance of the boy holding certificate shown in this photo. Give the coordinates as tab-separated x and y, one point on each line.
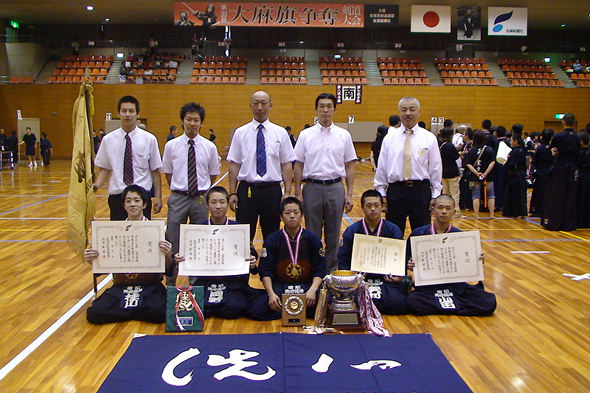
387	291
225	296
449	299
291	263
136	296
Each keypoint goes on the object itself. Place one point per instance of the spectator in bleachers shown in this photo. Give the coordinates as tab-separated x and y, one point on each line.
542	163
75	47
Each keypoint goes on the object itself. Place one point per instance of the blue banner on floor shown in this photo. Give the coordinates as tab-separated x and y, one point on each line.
284	362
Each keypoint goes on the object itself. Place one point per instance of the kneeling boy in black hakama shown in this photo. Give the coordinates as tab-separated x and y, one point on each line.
291	263
388	292
449	299
140	297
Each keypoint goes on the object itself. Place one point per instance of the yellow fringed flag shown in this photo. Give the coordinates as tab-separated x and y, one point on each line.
81	203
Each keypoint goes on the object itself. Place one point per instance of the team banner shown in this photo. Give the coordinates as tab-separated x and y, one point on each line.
469	23
284	362
431	19
507	21
269	14
381	15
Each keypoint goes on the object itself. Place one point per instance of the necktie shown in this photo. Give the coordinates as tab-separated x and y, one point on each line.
260	152
407	165
192	169
128	162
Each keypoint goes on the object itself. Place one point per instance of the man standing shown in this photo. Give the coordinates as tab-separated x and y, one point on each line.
191	165
30	141
133	157
325	154
259	158
172	135
410	169
394	121
559	211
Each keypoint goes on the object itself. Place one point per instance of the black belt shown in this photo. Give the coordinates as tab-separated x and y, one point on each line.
185	193
409	183
324	182
264	184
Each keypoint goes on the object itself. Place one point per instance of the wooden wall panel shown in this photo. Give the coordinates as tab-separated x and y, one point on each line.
227	106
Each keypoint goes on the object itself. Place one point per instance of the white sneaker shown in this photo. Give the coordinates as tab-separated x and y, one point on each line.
42	163
34	163
30	164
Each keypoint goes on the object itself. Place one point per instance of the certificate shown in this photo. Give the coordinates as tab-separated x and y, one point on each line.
378	255
128	246
214	250
447	258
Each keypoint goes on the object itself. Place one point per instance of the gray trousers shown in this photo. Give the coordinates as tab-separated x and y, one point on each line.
180	209
323	206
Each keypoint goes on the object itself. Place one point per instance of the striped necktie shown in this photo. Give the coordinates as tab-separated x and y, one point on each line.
260	152
128	161
193	188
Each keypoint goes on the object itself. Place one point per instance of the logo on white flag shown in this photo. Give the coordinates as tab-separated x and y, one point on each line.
431	19
507	21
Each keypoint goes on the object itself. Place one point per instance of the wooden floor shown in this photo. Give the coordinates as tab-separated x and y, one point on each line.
537	341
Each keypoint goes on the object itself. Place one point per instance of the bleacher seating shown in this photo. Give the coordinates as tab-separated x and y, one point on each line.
402	71
465	72
344	70
154	69
529	73
578	71
71	69
283	70
22	79
219	69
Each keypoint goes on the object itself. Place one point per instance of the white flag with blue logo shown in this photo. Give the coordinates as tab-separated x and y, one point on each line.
507	21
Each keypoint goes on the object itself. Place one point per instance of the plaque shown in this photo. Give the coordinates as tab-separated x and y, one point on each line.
294	309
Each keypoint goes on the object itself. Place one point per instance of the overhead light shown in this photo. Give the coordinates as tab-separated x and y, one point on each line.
107	20
120	55
563	25
547	59
90	7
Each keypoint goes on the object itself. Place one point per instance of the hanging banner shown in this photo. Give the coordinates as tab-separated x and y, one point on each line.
431	19
469	23
507	21
269	14
381	15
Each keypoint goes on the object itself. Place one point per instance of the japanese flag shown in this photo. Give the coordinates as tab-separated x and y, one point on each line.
431	19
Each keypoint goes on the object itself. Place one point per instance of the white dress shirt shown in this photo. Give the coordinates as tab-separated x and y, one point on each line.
146	158
175	162
278	147
324	151
426	161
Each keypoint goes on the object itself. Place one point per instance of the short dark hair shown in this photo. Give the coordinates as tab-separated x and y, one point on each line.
172	128
394	120
382	130
534	134
28	128
129	99
479	137
139	190
501	131
446	196
518	138
569	119
288	128
192	107
446	134
486	124
421	124
517	128
44	134
369	194
448	123
546	135
584	137
290	200
218	189
324	96
469	133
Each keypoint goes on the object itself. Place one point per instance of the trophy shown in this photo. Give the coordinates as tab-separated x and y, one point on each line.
343	312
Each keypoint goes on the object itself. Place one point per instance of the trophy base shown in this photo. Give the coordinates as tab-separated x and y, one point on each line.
294	311
349	321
